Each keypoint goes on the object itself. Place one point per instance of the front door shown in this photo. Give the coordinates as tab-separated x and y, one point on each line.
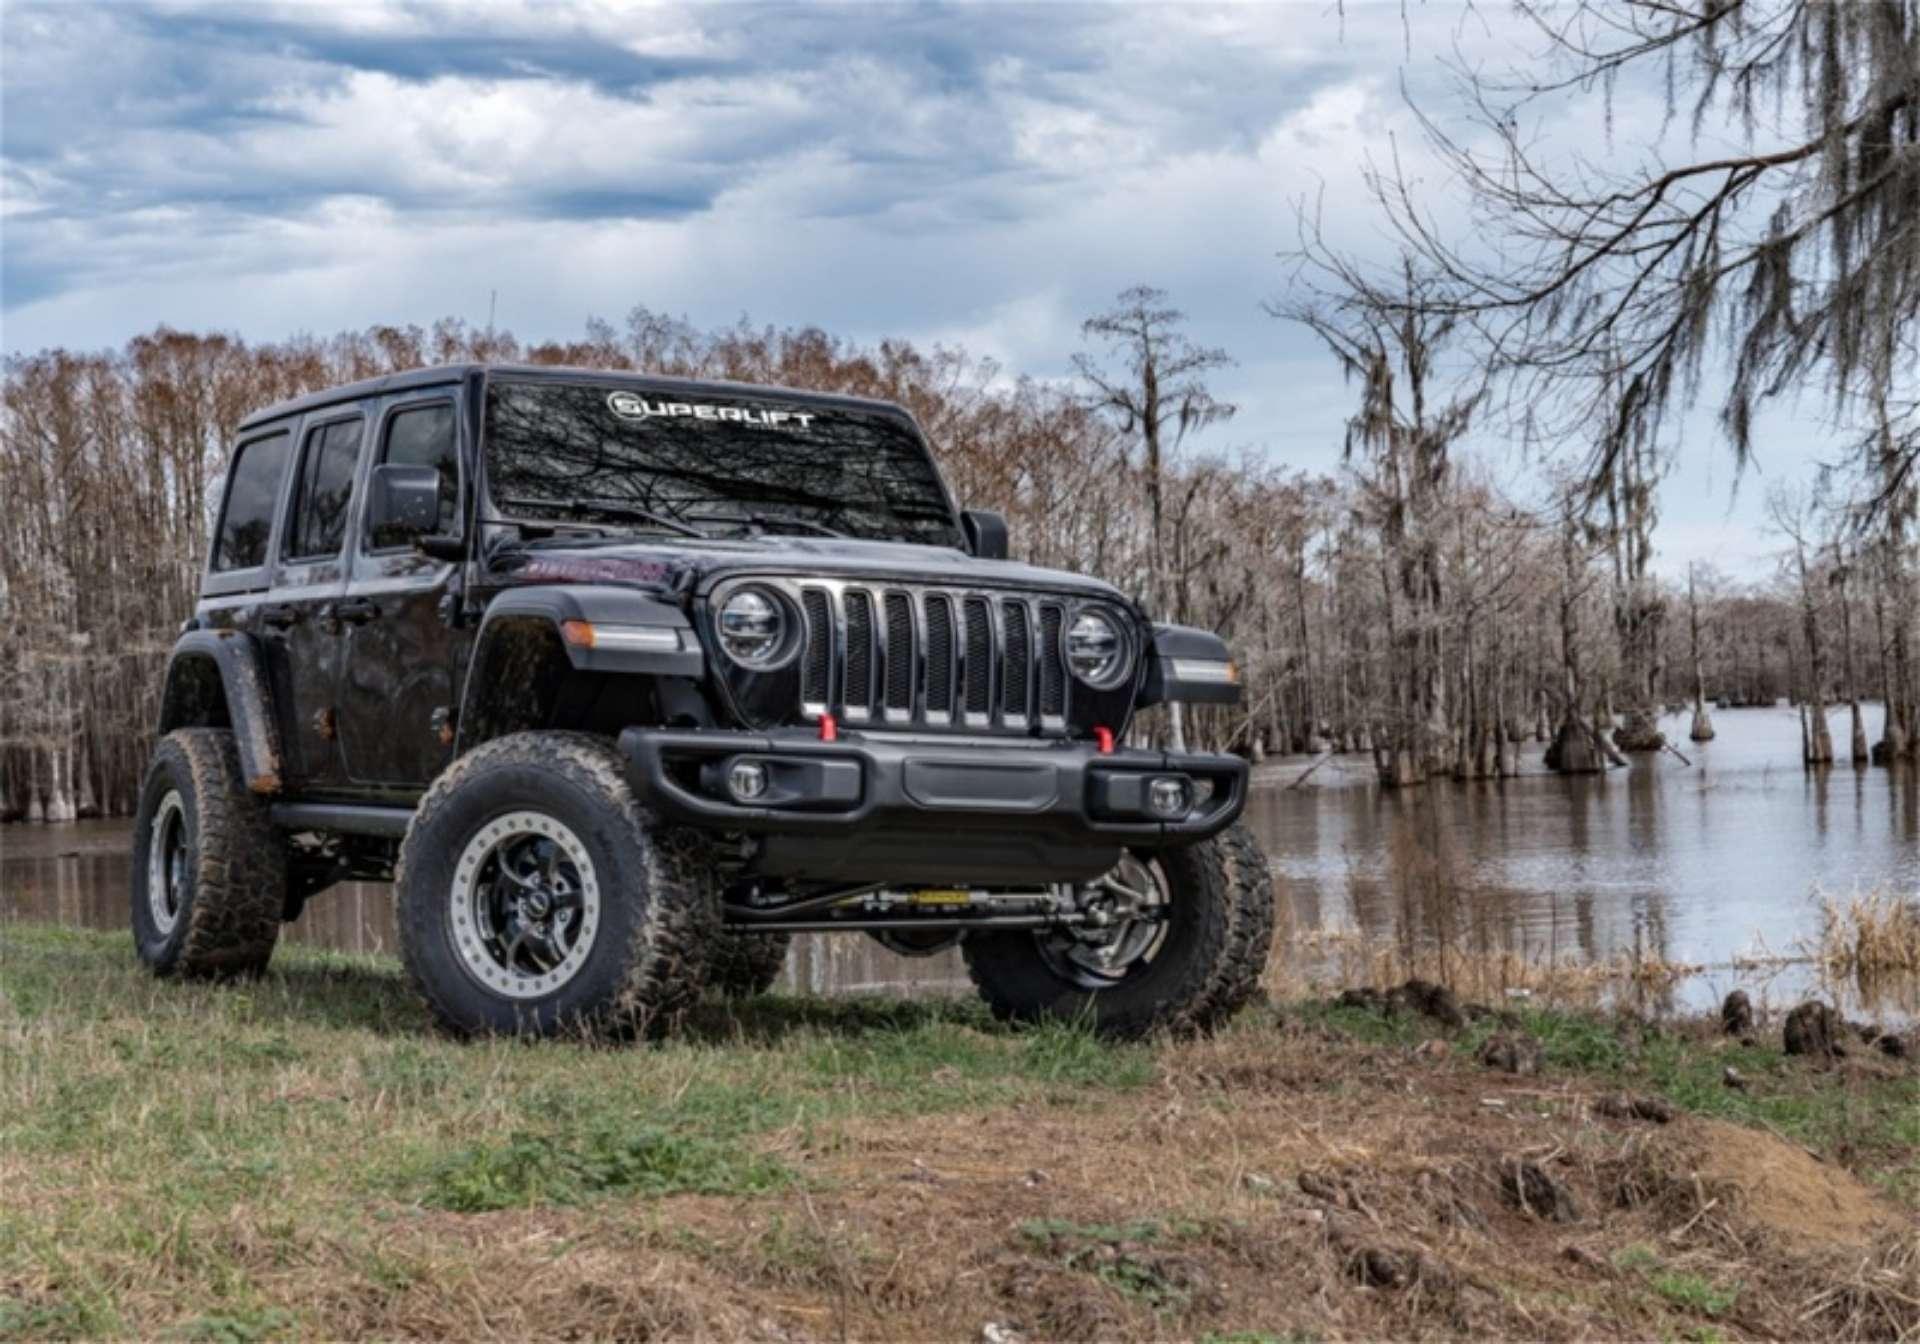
401	663
300	621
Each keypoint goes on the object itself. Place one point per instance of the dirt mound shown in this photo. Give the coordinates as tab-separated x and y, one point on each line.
1780	1187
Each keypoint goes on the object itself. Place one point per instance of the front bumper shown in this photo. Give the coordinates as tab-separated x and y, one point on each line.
1062	791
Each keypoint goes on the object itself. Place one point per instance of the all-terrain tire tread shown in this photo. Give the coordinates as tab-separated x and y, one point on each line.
1251	923
743	965
240	873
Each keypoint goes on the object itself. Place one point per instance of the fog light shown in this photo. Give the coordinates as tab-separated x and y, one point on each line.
1169	797
746	780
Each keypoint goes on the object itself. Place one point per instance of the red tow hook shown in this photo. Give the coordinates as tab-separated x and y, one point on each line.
829	730
1104	736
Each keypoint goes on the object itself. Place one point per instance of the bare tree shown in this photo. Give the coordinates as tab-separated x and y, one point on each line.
1796	517
1159	392
1842	580
1801	244
1387	332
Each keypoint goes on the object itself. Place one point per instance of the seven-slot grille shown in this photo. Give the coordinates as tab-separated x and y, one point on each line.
932	657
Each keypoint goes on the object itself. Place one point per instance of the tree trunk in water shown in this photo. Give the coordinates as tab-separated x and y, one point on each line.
1892	745
84	803
1398	768
1702	730
1575	749
1817	736
1860	752
1638	609
60	795
36	796
1638	731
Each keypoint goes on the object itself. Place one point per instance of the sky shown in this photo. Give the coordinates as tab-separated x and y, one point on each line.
990	175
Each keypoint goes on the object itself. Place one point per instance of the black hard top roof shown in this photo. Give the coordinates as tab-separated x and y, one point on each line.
441	375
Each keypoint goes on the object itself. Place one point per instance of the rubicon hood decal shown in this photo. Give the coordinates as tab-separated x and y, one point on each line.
633	406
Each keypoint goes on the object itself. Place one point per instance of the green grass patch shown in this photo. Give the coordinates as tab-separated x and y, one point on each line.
245	1327
1058	1231
529	1170
1120	1255
1690	1292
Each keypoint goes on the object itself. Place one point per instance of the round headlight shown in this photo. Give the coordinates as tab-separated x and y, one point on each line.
1097	650
753	628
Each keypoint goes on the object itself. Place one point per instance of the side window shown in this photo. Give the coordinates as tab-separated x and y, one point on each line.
248	519
324	490
423	436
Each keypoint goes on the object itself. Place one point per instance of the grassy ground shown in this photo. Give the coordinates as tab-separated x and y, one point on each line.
302	1156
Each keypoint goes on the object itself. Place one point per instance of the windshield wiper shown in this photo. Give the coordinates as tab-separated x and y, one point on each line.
763	521
605	508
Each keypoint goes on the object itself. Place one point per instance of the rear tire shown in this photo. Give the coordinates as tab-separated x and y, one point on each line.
1205	967
209	870
744	965
533	897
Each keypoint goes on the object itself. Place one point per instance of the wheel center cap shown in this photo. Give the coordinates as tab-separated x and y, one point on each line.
537	904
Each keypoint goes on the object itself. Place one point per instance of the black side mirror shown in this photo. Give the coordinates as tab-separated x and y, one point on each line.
405	506
986	533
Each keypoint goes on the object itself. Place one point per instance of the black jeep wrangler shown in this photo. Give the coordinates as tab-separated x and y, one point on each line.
623	681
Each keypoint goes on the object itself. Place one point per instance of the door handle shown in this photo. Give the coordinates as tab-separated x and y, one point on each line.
280	615
356	610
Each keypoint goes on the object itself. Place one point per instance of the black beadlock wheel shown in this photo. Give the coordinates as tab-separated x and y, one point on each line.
1190	960
533	897
743	964
209	870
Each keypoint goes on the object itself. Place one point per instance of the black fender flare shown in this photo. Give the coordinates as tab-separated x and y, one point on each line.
1190	666
633	632
228	662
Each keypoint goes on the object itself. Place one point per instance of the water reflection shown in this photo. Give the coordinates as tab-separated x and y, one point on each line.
1697	864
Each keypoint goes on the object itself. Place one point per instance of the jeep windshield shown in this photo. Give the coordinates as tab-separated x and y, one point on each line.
717	461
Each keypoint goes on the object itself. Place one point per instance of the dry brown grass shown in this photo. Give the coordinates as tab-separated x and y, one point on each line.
1871	942
1325	961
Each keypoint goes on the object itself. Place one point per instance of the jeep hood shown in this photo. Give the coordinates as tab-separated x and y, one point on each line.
683	567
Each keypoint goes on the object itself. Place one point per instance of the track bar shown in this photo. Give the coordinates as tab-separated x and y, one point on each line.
928	923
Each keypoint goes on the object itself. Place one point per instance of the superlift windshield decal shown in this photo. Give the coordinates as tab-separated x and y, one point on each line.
633	406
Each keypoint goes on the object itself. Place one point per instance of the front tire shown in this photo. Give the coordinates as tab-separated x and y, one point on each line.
209	870
534	898
1189	970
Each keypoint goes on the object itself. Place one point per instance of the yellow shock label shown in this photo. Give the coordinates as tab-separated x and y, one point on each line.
939	896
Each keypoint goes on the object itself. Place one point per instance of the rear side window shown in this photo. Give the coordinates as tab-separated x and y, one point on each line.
422	436
248	521
325	490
